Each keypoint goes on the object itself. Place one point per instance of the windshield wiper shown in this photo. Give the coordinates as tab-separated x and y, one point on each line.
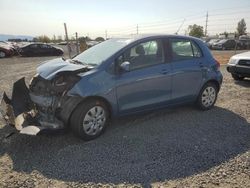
75	61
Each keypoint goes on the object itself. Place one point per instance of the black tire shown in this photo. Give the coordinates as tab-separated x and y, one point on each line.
2	54
59	53
237	77
201	103
81	111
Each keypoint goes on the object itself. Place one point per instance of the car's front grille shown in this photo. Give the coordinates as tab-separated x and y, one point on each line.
244	62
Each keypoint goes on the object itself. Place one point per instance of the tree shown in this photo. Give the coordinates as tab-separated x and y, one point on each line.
99	39
196	31
242	28
43	38
84	38
226	34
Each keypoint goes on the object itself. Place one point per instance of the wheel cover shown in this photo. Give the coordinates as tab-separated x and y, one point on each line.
208	96
94	120
2	54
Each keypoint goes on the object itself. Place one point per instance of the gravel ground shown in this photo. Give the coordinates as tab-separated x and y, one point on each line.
178	147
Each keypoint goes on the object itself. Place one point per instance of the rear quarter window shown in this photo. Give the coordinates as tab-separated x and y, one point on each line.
183	49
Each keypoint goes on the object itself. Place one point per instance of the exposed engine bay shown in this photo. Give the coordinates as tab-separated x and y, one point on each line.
44	104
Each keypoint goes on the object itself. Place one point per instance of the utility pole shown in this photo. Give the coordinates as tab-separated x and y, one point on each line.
137	29
106	34
206	24
77	46
67	39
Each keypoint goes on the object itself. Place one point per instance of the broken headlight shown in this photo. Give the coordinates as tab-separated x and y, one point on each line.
64	82
60	84
60	81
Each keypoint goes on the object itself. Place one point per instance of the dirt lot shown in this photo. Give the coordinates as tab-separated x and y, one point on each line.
179	147
224	56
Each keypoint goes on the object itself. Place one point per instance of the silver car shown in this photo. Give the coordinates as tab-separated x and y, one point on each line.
239	66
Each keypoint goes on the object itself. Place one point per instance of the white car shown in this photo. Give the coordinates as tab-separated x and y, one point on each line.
239	66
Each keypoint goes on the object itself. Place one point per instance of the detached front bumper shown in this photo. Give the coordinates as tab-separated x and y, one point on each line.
20	111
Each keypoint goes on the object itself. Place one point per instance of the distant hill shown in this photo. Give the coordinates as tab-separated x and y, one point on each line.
4	37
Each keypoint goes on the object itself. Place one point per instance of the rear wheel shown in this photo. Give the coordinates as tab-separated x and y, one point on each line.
237	77
90	119
207	96
59	53
2	54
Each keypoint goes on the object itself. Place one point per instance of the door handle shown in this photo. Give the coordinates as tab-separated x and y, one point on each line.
201	65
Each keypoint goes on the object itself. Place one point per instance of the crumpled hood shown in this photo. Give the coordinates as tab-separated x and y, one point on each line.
50	68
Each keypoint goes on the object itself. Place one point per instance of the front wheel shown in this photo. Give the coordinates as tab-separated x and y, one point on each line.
207	96
2	54
90	119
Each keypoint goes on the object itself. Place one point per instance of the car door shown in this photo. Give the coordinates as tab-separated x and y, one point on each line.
232	44
148	83
39	50
187	65
44	49
32	50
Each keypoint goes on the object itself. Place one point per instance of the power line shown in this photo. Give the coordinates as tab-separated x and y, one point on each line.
230	13
212	22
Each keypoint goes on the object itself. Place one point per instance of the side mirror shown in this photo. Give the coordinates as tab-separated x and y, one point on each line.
125	66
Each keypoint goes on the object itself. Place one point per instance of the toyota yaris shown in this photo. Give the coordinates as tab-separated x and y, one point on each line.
117	77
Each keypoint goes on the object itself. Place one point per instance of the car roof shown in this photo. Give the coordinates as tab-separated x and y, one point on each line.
142	36
35	43
148	36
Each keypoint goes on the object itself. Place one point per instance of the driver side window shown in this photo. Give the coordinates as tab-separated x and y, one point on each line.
143	55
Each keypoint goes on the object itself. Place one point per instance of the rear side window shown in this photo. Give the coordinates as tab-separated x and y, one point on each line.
45	46
34	46
183	49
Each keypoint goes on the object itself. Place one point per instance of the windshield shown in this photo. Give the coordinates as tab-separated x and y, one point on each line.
97	54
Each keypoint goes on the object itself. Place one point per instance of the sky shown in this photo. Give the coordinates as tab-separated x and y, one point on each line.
115	17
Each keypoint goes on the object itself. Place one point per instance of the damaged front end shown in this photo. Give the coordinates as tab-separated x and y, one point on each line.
45	105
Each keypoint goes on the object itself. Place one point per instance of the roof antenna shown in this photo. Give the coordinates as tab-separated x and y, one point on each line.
180	27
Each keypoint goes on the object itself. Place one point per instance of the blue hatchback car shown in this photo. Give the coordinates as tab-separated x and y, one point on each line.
117	77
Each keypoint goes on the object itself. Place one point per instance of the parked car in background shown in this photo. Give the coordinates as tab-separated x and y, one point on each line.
239	66
244	44
225	44
3	43
40	49
6	51
91	43
62	43
116	77
211	42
